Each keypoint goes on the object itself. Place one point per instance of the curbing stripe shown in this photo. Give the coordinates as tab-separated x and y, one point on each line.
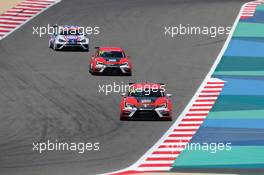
249	9
20	14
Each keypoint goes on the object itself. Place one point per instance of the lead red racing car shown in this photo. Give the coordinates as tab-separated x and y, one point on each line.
146	101
110	61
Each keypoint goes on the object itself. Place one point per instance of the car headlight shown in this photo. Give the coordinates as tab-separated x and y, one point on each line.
61	40
162	105
128	105
125	64
99	63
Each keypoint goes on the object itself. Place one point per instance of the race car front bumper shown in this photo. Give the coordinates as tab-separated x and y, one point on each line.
112	69
64	45
145	113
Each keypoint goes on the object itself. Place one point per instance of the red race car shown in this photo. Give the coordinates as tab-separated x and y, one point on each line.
110	61
146	101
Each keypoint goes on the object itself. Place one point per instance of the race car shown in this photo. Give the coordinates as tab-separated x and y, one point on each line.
146	101
68	37
110	61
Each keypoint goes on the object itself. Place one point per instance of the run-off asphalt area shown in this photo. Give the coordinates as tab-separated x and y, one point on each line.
50	95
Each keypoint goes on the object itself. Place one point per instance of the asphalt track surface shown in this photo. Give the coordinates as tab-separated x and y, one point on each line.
50	95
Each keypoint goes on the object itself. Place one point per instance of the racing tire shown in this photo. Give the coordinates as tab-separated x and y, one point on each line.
123	118
55	47
168	119
87	50
90	69
128	74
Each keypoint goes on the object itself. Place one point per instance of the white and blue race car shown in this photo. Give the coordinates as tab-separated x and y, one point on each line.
68	37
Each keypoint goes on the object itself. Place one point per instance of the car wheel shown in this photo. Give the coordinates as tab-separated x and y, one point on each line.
169	119
128	74
54	46
91	68
87	48
122	118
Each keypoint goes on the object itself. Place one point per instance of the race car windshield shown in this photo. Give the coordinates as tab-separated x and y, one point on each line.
70	32
111	54
146	93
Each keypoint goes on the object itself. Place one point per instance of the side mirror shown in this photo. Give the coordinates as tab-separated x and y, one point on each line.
169	95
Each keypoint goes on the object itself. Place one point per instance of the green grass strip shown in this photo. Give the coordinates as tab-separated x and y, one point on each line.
249	30
240	73
245	114
238	156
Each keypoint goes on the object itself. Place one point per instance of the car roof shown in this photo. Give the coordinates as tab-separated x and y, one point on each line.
146	85
110	49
